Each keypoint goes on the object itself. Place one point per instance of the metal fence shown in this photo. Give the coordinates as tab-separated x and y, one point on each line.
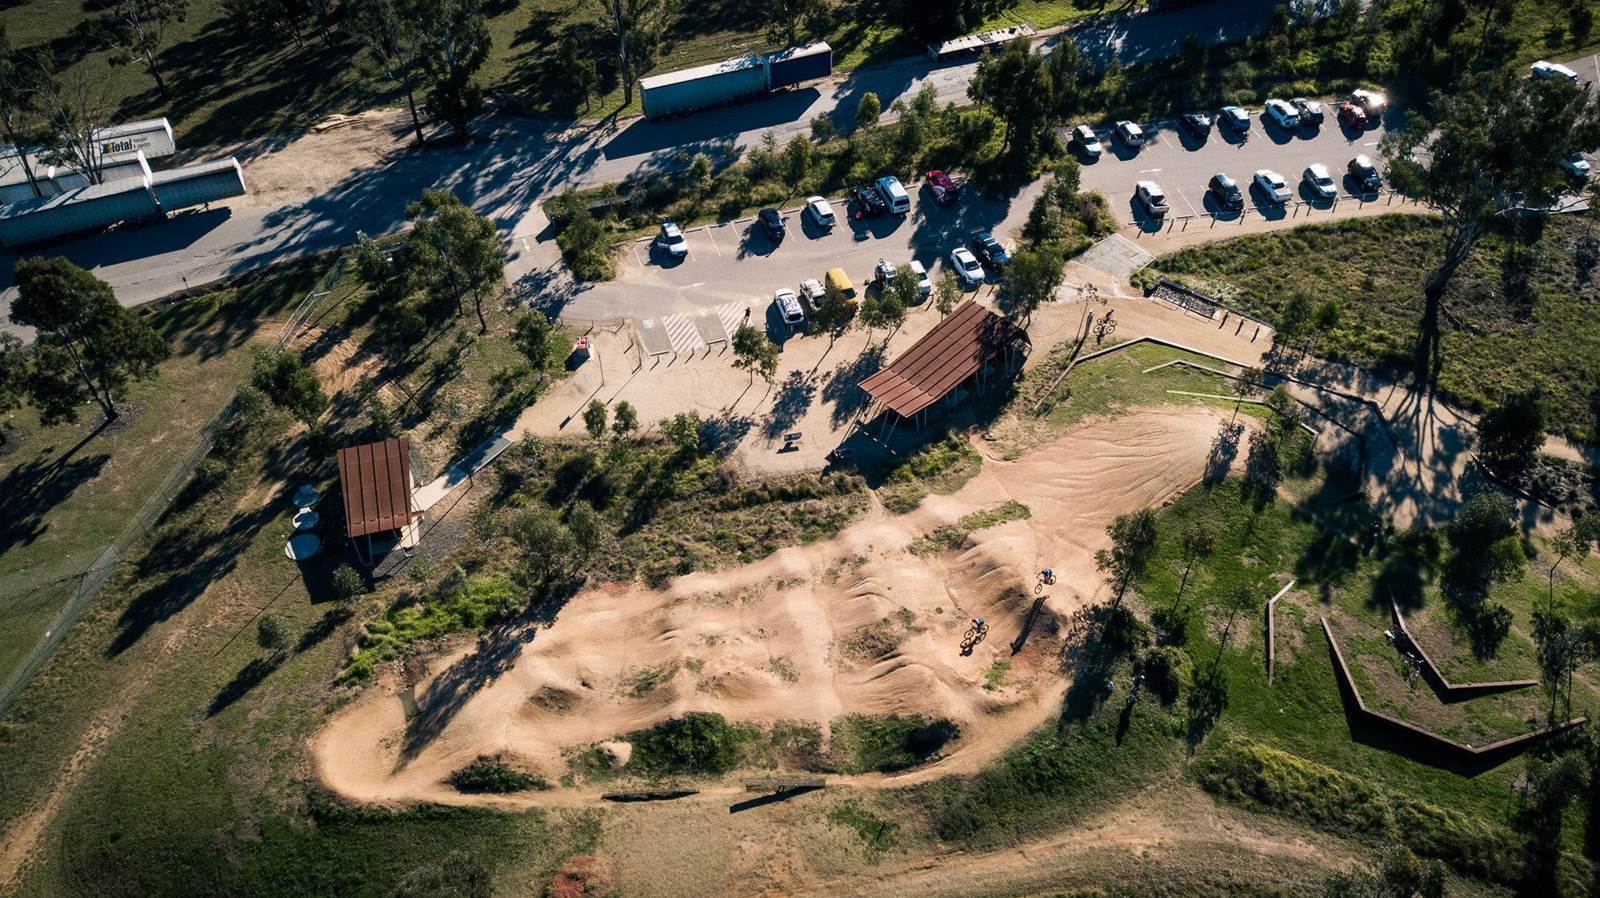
1298	209
93	578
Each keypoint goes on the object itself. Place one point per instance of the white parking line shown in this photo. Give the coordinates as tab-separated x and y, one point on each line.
1181	196
713	242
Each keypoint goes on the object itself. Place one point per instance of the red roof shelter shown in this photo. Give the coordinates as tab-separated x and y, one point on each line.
376	481
956	349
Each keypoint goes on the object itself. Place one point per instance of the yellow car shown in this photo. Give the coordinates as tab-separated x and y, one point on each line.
837	278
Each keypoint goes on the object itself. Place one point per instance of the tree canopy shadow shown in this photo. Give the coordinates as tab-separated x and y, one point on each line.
795	395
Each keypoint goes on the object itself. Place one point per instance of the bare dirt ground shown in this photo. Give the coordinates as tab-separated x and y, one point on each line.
857	624
291	169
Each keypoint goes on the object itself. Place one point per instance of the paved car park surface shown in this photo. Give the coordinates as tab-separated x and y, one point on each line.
1183	165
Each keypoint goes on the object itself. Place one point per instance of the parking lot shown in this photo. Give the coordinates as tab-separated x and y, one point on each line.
1182	165
735	262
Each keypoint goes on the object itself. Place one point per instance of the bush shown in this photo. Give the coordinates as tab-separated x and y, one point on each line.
886	744
698	743
585	244
1255	775
347	585
1167	672
490	773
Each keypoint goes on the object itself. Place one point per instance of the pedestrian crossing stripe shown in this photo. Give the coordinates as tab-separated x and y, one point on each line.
683	331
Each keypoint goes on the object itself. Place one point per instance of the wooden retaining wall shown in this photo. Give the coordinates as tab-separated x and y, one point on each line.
1272	632
1448	691
1430	744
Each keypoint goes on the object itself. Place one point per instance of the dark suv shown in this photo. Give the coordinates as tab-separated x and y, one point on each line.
1196	123
1226	192
989	250
867	202
772	223
1365	174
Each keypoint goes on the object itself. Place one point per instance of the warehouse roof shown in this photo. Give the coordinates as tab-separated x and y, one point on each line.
376	481
945	356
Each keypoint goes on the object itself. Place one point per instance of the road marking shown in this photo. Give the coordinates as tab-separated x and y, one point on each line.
1145	171
525	247
1370	143
1182	196
713	243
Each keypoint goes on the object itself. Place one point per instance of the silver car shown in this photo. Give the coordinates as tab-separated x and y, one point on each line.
1320	181
1273	185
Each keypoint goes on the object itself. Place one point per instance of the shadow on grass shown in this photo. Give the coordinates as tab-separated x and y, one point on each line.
248	678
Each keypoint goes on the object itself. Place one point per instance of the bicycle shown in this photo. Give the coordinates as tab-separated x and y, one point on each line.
1104	329
1047	577
974	635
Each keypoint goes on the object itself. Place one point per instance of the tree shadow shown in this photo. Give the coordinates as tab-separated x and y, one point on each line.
498	650
245	680
842	386
1224	449
795	395
32	489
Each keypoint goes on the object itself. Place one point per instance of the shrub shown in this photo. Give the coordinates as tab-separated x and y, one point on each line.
347	585
1167	672
886	744
490	773
698	743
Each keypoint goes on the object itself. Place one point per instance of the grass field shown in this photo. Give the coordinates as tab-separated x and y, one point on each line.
1513	321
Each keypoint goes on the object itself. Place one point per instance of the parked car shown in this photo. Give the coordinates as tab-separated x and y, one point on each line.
811	290
1370	101
821	211
945	190
1364	172
1196	123
788	306
1577	166
920	272
671	240
883	272
1087	141
1226	192
1320	181
1273	185
838	280
1353	115
894	194
1236	118
1545	69
966	266
1311	111
988	250
1130	134
867	202
1282	114
1152	198
772	223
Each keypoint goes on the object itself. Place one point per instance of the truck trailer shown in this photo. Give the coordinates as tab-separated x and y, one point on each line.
149	197
732	80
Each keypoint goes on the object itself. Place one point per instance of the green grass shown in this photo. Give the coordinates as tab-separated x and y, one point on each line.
943	539
885	744
941	467
488	773
877	834
1544	336
696	744
458	603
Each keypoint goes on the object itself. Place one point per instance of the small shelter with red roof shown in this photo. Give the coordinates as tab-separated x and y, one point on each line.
375	479
963	346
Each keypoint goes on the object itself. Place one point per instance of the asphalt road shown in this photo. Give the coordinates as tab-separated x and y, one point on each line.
513	163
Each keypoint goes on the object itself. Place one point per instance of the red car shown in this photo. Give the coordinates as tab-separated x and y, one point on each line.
1353	115
945	191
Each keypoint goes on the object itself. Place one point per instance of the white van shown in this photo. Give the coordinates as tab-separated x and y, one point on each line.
894	194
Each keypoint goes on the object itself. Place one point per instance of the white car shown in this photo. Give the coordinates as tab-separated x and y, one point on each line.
920	271
1577	166
1130	133
1370	101
1272	184
1544	69
894	193
820	211
671	240
788	307
1320	180
1154	200
1283	114
811	289
966	266
1088	141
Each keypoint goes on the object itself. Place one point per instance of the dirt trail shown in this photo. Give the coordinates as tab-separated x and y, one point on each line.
856	624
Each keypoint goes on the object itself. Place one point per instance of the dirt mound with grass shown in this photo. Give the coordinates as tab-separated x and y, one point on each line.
812	634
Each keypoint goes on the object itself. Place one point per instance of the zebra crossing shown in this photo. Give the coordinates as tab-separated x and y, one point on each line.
690	332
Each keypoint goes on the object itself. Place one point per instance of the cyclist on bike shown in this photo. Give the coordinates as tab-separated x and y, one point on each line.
977	623
1048	575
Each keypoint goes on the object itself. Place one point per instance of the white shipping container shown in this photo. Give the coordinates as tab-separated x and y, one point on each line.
194	185
84	209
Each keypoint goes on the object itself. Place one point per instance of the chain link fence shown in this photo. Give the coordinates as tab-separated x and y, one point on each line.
93	578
